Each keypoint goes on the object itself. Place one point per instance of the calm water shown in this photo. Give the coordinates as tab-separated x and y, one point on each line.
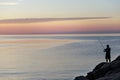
52	57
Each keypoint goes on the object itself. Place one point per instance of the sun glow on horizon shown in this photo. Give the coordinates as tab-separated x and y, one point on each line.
59	16
84	26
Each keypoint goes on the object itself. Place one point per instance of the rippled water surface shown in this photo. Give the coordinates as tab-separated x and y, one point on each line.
52	57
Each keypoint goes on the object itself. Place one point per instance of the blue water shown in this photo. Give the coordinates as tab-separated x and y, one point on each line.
53	57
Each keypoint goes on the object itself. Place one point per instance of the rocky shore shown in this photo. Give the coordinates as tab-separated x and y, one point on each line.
104	71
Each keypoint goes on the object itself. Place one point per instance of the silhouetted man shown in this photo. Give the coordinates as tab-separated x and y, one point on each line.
107	55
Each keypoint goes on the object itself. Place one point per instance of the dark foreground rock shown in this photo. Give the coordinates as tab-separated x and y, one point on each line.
80	78
104	71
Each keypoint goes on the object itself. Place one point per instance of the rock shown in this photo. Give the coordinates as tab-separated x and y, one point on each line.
115	64
99	66
97	72
104	71
90	76
112	72
80	78
118	58
114	76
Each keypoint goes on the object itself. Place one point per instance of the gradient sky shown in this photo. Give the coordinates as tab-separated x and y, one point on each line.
59	16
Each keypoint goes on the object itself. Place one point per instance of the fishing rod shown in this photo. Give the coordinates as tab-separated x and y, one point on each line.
102	47
101	44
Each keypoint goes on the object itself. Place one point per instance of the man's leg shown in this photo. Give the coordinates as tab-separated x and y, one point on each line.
106	60
109	59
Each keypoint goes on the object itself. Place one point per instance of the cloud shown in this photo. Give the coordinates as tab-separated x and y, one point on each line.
34	20
8	3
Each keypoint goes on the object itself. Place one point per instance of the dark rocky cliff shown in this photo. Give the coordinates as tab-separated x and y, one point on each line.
104	71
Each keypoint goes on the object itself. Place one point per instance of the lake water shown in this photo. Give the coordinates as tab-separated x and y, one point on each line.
53	57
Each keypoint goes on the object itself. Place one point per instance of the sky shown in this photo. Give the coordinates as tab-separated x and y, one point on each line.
59	16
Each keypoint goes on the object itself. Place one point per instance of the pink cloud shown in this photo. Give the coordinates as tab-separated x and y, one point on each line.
33	20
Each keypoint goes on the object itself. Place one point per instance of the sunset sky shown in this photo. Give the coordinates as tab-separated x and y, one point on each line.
59	16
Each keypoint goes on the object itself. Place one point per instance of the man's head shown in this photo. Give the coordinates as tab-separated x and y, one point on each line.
107	46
